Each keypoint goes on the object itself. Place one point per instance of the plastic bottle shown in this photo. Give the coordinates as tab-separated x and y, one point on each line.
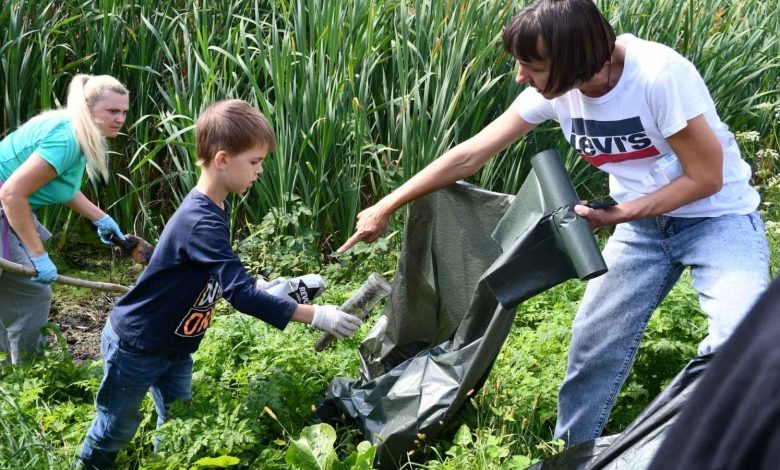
360	304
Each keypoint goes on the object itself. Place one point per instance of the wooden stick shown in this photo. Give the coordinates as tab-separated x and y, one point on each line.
12	267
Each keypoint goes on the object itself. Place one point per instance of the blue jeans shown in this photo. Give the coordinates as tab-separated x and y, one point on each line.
128	373
729	261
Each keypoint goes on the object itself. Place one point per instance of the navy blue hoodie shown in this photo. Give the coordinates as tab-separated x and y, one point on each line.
193	266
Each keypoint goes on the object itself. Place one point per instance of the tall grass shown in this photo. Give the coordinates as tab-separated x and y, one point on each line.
362	94
23	445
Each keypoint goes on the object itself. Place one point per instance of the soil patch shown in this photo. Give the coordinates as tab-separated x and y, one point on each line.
81	323
81	313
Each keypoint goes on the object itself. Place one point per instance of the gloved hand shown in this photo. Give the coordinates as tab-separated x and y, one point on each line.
106	226
47	272
262	284
332	320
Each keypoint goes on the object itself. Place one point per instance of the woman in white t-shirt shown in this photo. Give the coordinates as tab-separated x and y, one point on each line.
642	113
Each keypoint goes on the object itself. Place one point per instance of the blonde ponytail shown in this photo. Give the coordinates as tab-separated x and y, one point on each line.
83	93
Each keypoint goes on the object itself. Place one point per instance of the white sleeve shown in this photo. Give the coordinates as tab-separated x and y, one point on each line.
676	96
533	107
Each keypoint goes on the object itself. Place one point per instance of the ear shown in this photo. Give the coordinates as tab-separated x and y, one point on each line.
220	160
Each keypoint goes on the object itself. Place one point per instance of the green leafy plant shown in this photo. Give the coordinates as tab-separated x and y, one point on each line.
314	451
280	246
216	462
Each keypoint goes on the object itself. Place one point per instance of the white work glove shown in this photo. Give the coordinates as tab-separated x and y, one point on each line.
262	284
330	319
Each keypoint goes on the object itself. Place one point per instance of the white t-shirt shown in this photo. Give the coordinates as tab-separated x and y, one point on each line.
624	131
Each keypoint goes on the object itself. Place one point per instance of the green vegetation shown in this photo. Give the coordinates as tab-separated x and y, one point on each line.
254	387
362	95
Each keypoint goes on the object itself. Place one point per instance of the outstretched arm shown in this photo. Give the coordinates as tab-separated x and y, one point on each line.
85	207
107	228
457	163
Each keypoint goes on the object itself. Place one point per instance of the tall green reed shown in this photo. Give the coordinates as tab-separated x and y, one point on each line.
361	94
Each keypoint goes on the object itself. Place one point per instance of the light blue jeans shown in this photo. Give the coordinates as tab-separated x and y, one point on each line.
128	373
729	261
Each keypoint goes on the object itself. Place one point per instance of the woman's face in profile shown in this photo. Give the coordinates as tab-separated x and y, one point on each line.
535	73
110	113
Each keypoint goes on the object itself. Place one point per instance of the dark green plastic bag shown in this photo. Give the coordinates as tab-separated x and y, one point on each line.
470	256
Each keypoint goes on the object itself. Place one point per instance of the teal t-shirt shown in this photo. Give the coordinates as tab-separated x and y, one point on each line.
51	137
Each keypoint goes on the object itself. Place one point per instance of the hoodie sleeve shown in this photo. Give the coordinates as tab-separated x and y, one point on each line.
209	244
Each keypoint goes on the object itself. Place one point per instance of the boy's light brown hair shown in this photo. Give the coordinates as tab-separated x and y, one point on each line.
233	126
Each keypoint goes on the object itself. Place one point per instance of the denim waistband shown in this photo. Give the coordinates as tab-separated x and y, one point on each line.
122	343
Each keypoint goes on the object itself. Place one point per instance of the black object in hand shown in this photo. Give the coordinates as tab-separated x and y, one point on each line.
135	247
601	203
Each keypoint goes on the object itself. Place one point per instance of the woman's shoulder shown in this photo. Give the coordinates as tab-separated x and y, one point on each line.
52	135
49	126
49	122
649	59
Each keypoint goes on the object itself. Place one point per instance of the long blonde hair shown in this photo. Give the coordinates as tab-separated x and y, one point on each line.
83	93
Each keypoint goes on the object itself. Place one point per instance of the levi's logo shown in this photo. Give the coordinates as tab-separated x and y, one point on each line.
197	320
601	142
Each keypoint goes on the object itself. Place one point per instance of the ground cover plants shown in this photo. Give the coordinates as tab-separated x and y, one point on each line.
362	95
254	387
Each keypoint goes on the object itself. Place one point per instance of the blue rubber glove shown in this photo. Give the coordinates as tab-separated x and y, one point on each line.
47	272
105	227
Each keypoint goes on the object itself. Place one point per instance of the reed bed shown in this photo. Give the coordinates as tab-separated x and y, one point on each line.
362	94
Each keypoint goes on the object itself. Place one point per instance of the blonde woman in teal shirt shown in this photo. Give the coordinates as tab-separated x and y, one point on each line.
43	163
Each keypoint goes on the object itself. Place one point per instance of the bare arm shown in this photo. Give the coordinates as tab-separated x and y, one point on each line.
303	313
85	207
461	161
33	174
701	158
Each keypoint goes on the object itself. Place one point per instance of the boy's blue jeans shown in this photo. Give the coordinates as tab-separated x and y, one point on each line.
127	375
729	261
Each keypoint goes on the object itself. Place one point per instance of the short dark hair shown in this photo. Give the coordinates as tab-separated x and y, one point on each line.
233	126
574	35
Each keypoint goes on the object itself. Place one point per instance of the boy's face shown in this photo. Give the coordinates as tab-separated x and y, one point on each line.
243	169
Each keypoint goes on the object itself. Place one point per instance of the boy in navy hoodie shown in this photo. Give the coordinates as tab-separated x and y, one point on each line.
153	329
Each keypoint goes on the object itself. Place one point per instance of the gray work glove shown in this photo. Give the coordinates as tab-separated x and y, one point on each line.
330	319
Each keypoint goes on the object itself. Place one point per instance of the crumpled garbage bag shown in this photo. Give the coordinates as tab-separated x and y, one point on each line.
470	256
636	446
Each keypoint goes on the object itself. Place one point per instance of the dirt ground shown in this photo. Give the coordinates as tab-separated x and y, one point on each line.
81	313
81	323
